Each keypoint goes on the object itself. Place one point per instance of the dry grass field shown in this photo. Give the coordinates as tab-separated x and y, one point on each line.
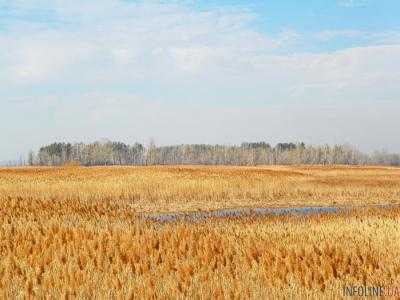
73	232
190	188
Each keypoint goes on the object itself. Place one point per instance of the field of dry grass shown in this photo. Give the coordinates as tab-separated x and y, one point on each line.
45	254
171	188
73	232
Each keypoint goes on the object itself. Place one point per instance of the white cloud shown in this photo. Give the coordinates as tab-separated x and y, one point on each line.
388	37
119	43
176	66
327	35
135	41
353	3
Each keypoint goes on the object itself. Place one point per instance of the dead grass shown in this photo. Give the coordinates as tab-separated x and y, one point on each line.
45	253
72	232
189	188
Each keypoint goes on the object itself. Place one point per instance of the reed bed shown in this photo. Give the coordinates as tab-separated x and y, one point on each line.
190	188
52	255
69	233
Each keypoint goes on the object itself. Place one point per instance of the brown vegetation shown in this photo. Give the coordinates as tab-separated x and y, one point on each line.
73	232
189	188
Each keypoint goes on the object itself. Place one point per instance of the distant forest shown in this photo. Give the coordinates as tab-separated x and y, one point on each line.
248	154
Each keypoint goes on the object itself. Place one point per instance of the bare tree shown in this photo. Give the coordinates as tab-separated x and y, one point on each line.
261	153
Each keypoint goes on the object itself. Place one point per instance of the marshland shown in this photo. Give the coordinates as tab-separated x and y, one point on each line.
76	232
224	149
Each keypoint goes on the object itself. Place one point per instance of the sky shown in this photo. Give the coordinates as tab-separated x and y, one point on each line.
325	71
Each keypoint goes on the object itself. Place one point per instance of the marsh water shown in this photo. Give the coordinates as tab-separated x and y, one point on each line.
257	211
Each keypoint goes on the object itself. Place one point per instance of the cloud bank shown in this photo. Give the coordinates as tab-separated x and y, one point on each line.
134	70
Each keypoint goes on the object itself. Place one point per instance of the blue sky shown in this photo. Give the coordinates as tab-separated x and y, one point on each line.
199	72
314	16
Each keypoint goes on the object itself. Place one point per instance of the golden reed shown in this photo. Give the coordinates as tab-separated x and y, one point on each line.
72	232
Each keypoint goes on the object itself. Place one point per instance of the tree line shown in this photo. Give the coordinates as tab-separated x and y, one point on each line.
248	154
